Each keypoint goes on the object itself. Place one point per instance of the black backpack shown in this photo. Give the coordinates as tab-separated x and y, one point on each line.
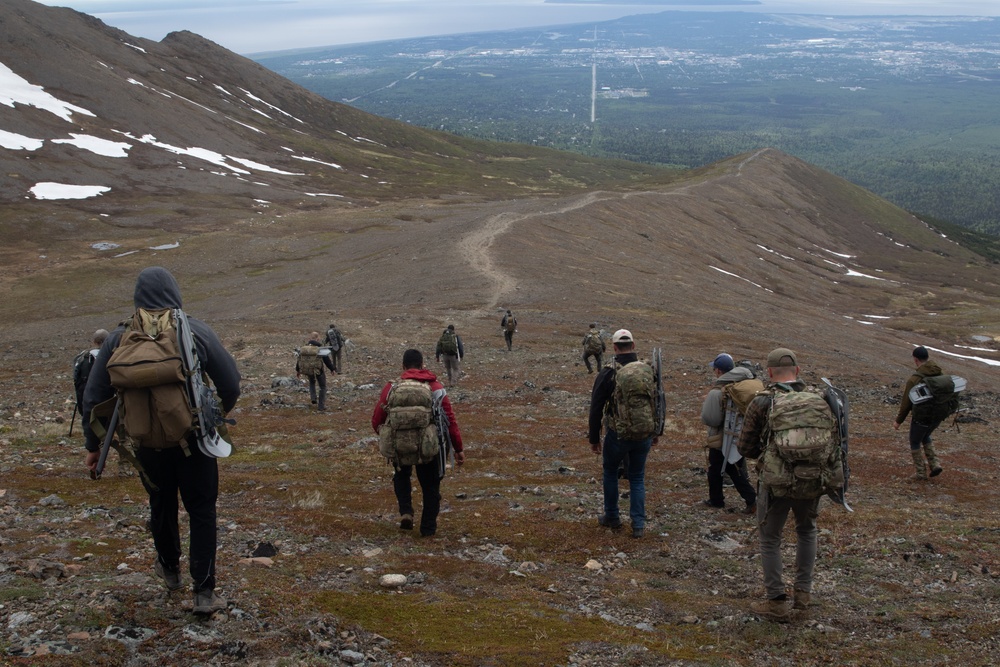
82	364
939	396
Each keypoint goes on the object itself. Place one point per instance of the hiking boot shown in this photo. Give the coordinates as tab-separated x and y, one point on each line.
800	600
638	533
208	602
932	459
709	503
918	462
171	578
775	609
936	471
613	524
406	522
750	509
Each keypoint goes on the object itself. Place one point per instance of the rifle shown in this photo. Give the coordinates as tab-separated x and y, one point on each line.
106	447
444	435
661	398
72	419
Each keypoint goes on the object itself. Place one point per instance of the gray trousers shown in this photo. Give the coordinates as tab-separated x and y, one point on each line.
451	366
771	515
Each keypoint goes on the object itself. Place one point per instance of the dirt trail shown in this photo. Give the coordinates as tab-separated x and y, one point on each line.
475	246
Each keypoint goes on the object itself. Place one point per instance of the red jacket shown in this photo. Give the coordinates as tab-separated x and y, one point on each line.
423	375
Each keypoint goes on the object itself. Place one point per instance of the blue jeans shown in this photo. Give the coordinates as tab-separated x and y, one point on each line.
614	451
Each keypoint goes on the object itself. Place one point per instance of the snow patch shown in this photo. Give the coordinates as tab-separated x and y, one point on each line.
740	277
63	191
19	142
166	246
15	90
97	145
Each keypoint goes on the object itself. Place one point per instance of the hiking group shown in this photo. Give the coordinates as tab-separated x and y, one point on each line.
146	392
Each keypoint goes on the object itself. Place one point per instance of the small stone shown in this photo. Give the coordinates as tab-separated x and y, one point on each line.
593	565
52	501
78	636
352	657
371	553
392	580
260	561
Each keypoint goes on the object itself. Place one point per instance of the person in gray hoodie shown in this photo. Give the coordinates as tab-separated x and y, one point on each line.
723	459
195	476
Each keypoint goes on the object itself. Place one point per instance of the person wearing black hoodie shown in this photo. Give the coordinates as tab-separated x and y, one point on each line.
196	476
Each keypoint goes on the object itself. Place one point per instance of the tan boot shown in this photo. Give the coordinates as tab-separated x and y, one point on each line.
773	610
932	460
918	461
800	600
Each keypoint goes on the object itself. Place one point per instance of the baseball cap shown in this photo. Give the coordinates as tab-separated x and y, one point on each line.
781	356
723	362
622	336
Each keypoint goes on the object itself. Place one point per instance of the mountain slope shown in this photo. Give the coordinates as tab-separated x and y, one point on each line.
187	117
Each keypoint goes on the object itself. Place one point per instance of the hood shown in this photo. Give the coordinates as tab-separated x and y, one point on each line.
421	374
156	288
738	374
928	369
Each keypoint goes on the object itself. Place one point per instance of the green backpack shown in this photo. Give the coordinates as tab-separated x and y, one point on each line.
593	343
409	434
449	342
803	459
943	401
632	409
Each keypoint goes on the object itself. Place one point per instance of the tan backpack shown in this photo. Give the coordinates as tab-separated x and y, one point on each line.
409	435
147	371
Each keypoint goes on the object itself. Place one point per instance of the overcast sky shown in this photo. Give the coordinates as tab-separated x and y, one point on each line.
253	26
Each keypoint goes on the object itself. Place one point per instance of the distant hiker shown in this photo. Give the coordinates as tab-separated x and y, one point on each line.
169	465
624	399
927	416
335	341
416	427
794	436
722	412
311	359
509	326
82	364
593	346
450	349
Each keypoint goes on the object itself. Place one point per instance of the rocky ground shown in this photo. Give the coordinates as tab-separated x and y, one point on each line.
520	572
742	257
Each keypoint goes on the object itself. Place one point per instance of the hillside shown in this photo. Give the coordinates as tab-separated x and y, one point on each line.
748	253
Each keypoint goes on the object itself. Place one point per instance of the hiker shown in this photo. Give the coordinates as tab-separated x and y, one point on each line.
335	341
175	467
417	393
508	325
450	348
722	412
310	362
924	421
82	364
593	346
789	415
624	399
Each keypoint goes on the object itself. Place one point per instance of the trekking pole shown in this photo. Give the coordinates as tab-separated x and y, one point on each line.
72	419
106	447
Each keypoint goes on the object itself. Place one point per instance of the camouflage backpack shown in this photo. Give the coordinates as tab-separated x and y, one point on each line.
147	370
310	363
593	343
449	342
803	458
409	435
632	409
510	323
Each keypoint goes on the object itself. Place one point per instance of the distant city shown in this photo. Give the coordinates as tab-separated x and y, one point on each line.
902	105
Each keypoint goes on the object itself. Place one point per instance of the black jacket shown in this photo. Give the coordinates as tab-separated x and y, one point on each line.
604	387
156	288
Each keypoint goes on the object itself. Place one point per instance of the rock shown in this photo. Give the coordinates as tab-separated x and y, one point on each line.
283	382
19	618
259	561
52	501
351	657
593	565
78	636
372	553
128	635
392	580
265	549
44	569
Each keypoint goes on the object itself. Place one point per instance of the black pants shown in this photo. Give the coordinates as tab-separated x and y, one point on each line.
920	434
508	337
196	479
736	472
321	381
430	487
598	357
